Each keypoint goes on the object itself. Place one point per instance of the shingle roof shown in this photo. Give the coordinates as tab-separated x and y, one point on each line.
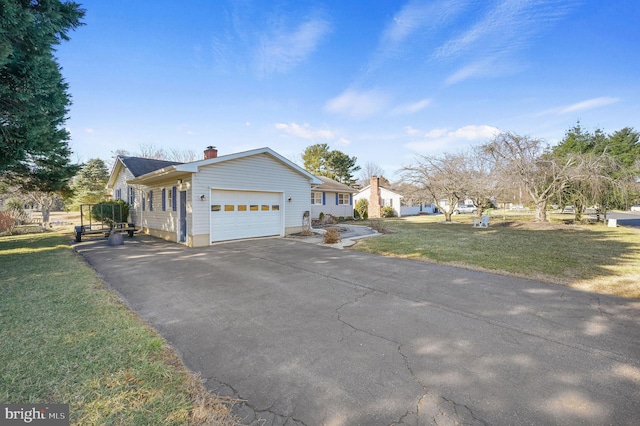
332	185
141	166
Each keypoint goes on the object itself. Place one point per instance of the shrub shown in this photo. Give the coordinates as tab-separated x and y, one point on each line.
361	208
387	211
111	212
332	236
7	222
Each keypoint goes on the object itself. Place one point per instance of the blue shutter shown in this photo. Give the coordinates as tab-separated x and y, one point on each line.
324	198
336	198
150	201
143	201
175	200
164	199
350	199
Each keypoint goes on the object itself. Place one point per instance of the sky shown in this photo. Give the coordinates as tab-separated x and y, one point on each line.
382	80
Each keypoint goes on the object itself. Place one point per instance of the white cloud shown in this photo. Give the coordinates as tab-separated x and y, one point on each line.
89	130
343	142
357	104
411	131
282	49
589	104
304	131
437	139
411	108
490	42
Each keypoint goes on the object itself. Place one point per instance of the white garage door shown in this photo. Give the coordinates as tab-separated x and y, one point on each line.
245	214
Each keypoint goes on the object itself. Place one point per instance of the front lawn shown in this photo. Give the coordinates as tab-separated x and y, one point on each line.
65	338
589	257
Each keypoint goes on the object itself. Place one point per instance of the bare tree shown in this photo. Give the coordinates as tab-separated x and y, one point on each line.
443	178
483	183
155	153
522	159
368	171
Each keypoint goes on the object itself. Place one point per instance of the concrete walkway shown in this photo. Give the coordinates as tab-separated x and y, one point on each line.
310	335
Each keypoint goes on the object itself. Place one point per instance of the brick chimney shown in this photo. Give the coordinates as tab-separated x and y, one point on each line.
374	198
210	152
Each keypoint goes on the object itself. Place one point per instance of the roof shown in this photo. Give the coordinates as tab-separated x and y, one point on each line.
332	186
175	170
141	166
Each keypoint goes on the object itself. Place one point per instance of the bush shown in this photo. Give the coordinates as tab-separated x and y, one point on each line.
361	209
387	211
332	236
111	212
7	222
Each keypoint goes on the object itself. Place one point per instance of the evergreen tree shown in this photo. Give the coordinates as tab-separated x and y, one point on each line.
33	94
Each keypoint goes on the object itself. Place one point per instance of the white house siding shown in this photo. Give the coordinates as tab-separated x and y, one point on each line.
387	198
259	172
120	187
163	224
331	207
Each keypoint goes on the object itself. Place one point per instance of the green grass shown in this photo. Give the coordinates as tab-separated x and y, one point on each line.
590	257
65	338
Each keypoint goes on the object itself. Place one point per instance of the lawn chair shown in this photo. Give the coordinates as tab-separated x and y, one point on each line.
483	222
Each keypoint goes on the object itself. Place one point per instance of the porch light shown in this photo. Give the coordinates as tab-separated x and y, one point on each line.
202	197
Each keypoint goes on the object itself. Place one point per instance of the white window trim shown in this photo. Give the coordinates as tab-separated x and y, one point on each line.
316	198
343	199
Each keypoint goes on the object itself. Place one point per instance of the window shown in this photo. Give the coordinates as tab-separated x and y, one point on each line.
316	198
229	207
344	199
242	207
264	208
275	207
131	196
174	196
253	207
216	208
170	199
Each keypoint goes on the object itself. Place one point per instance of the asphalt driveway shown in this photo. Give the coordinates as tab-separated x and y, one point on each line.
318	336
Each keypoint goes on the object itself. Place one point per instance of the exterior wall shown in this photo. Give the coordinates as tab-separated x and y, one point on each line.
158	222
257	173
387	198
331	207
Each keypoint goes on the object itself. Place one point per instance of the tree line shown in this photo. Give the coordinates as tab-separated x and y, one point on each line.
585	169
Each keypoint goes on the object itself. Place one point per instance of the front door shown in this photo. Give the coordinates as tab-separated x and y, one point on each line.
182	231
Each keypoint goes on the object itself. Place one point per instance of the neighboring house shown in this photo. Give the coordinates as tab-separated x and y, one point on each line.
331	197
379	197
248	194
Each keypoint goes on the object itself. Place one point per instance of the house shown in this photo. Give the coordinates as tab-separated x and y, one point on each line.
380	196
331	197
248	194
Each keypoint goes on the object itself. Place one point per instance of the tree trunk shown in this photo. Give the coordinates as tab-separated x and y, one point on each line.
541	211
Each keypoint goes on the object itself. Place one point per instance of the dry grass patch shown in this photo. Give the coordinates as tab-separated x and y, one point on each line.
590	257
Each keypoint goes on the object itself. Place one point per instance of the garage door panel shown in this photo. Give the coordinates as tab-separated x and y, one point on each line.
245	214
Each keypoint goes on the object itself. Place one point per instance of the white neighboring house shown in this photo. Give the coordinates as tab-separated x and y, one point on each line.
331	197
248	194
388	197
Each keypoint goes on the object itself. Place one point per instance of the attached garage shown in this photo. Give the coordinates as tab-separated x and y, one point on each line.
245	214
248	194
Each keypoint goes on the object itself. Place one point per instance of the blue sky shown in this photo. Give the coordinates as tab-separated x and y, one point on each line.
380	80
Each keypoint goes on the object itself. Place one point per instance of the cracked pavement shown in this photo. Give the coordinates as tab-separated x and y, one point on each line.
308	335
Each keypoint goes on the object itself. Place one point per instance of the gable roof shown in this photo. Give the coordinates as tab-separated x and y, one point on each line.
176	170
331	185
141	166
137	166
